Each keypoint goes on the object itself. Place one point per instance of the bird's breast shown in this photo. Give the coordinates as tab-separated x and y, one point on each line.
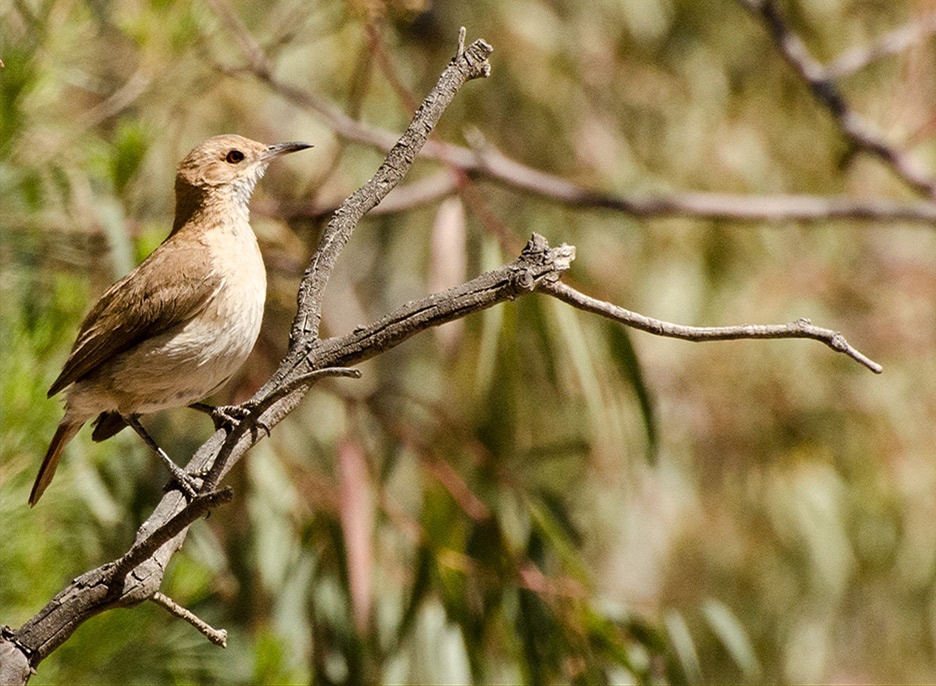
232	317
195	358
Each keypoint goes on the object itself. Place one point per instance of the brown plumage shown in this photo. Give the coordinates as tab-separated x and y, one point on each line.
173	330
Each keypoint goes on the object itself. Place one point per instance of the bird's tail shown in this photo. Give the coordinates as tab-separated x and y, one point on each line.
65	432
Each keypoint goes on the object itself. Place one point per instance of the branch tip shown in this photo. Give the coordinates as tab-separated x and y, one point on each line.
216	636
476	55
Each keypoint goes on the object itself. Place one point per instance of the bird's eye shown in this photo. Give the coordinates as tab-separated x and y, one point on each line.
235	156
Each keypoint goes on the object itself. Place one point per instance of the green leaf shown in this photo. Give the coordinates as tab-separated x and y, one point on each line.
733	637
628	365
130	144
683	646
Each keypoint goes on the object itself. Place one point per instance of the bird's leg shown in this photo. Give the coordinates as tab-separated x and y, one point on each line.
186	481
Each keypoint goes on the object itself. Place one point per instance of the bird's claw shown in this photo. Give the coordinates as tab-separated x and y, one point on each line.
189	484
228	416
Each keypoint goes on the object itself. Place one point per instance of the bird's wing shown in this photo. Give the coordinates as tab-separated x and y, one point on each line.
170	287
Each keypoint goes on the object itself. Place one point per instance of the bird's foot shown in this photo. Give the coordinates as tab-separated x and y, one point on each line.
228	416
189	484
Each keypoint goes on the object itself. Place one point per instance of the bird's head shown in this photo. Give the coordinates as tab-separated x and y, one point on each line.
220	174
229	163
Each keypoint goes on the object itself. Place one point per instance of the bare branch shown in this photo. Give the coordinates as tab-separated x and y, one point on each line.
537	265
862	134
488	163
710	206
250	48
801	328
216	636
417	193
119	100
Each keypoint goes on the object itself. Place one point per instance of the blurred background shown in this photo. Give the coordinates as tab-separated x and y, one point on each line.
532	494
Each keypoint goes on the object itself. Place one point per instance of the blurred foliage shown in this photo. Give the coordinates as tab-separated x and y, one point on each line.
481	506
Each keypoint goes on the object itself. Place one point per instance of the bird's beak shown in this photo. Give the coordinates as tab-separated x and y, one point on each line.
278	149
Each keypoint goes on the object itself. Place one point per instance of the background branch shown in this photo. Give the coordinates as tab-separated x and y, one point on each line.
891	43
761	209
821	82
484	161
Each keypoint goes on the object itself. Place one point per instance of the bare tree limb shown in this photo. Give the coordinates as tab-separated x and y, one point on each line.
775	209
821	82
256	56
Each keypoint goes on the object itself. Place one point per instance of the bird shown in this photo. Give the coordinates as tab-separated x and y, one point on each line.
178	326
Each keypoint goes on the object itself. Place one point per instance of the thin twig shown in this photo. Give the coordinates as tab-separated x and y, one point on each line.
801	328
250	47
119	100
216	636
